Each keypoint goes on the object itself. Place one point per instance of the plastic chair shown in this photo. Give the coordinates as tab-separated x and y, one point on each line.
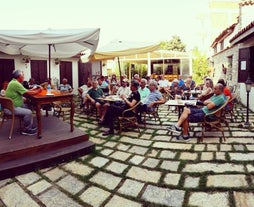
7	103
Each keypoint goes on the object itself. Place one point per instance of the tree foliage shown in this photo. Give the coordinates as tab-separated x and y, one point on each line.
175	44
200	66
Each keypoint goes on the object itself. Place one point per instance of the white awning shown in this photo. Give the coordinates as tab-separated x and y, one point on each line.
35	43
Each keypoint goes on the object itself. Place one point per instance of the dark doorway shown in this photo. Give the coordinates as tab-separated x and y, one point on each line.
39	70
66	71
6	68
84	72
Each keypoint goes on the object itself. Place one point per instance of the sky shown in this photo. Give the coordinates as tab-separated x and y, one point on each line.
126	20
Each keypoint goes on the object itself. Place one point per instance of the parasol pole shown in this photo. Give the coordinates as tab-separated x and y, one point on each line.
120	73
49	80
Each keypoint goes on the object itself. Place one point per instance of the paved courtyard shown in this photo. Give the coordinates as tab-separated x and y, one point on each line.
147	169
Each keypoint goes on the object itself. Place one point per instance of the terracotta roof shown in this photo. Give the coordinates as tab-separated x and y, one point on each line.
225	33
242	31
246	2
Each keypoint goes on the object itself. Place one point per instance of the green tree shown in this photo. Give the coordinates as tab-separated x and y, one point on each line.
175	44
200	66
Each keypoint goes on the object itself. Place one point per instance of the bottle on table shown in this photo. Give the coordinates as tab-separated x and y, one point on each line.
49	89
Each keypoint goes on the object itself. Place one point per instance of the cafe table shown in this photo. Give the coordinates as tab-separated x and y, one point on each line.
43	98
193	93
179	103
111	98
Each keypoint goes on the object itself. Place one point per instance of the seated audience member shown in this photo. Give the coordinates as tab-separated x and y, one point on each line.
143	90
116	110
186	87
83	91
136	77
93	95
153	98
163	84
113	84
180	81
148	79
124	89
25	84
201	86
194	114
207	89
15	90
226	92
31	83
106	79
64	86
193	83
4	87
175	90
103	85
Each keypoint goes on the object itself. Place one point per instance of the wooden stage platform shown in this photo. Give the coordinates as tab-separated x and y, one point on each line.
23	154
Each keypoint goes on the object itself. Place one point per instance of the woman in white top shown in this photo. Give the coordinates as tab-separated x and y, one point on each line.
207	89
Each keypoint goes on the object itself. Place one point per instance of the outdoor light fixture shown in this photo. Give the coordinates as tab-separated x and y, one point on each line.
248	89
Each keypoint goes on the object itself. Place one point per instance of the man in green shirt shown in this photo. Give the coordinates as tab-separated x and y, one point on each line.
16	91
198	114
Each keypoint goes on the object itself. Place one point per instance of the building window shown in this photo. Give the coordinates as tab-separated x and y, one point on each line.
222	45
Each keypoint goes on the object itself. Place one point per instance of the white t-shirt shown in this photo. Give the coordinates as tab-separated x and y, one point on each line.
85	90
123	90
163	83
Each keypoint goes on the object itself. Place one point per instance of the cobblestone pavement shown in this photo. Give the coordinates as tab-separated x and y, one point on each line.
147	169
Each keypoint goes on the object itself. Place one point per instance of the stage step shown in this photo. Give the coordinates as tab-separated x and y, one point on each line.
32	161
23	154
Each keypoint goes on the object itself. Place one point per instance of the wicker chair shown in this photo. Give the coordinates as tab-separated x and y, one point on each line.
61	109
215	120
230	107
127	120
154	114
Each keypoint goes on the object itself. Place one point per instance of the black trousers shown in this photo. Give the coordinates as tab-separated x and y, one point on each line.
141	108
112	113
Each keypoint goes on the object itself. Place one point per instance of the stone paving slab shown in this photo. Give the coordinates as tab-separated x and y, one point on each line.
14	195
147	169
227	181
164	196
203	199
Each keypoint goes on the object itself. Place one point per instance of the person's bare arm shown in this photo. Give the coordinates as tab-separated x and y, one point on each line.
90	98
209	104
160	101
33	91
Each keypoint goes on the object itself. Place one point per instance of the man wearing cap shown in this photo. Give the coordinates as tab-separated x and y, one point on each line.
16	91
116	110
124	89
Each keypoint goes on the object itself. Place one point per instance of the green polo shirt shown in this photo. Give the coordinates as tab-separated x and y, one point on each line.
15	91
95	93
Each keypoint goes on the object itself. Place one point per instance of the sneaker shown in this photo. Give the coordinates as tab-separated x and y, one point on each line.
34	128
182	137
29	132
174	128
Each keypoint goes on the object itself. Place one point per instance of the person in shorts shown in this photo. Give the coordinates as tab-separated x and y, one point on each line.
197	114
94	94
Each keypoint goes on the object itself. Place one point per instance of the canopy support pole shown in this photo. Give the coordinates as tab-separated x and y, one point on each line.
119	66
49	75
